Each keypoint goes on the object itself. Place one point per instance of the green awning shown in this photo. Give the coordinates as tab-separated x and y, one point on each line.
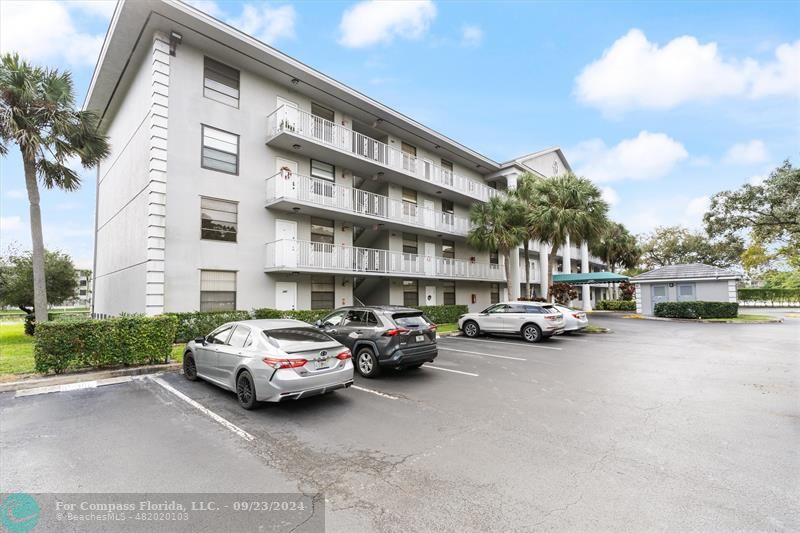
591	277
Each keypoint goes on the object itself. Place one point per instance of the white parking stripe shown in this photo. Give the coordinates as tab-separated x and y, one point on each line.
451	370
206	411
532	345
381	394
481	353
81	385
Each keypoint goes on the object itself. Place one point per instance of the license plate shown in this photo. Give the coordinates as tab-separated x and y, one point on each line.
319	365
420	338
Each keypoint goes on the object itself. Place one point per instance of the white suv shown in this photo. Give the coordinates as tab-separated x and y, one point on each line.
533	320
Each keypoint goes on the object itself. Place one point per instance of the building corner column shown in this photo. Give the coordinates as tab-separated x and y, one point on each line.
543	259
513	283
586	290
157	169
566	257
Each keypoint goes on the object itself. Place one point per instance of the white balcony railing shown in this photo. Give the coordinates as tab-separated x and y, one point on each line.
290	254
289	119
291	186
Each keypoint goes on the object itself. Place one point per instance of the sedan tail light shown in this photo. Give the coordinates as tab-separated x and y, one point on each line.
344	355
578	315
553	317
284	363
396	331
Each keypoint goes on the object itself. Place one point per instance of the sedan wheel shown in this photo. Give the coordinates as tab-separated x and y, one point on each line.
189	368
367	363
532	333
471	329
245	391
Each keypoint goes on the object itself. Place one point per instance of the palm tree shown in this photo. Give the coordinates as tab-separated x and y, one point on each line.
494	228
37	113
617	247
566	206
524	195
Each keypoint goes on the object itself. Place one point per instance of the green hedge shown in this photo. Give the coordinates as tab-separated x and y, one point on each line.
616	305
697	309
443	314
306	315
201	323
134	340
773	296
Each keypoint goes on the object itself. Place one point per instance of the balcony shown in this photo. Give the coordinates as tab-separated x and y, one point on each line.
287	124
324	198
303	256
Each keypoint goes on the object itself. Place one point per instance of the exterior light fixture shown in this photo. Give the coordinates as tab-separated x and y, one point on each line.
295	81
296	146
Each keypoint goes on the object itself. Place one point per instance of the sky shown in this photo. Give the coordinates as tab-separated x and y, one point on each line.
662	104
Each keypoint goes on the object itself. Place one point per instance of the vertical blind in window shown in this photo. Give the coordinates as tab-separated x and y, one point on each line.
217	290
220	150
410	293
322	292
409	243
449	292
218	219
220	82
449	249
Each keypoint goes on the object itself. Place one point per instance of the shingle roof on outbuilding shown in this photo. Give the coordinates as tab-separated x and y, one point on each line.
689	271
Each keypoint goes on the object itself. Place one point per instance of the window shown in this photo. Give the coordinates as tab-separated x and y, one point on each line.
410	293
686	292
82	292
334	319
220	335
324	171
218	219
83	283
240	337
322	230
217	290
447	173
322	292
408	149
409	156
409	202
448	206
322	112
409	243
494	293
448	249
220	82
659	292
494	258
449	292
220	150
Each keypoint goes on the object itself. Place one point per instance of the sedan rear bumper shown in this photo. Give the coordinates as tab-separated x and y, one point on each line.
287	384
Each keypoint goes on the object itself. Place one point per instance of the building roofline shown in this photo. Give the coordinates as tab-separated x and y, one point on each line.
520	160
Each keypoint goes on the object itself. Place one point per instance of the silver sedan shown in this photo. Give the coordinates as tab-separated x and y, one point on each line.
574	320
269	361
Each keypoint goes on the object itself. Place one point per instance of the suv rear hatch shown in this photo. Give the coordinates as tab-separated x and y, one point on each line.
413	328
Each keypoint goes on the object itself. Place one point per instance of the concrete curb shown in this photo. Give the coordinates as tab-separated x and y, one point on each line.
449	334
705	321
77	377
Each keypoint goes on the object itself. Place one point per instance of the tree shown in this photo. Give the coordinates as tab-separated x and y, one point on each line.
38	114
16	279
524	206
617	247
494	228
673	245
566	206
770	212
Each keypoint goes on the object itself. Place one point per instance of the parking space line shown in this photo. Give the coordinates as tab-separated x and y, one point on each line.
67	387
378	393
485	354
532	345
205	410
451	370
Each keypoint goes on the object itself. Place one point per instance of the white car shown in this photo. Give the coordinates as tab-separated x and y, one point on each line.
534	321
574	320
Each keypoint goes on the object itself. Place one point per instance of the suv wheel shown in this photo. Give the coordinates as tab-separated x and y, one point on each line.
531	333
189	368
471	329
245	390
367	363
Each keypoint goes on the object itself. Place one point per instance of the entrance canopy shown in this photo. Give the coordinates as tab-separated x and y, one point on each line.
589	277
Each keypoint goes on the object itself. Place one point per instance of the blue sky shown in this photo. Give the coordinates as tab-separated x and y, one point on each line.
662	104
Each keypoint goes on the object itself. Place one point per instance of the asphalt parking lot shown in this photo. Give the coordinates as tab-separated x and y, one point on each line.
657	426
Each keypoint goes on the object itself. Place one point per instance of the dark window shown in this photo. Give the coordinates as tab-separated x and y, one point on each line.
448	206
415	321
448	249
217	290
83	283
410	293
322	230
410	245
322	292
494	293
220	150
82	292
322	112
220	82
449	292
323	171
288	336
239	337
494	258
218	219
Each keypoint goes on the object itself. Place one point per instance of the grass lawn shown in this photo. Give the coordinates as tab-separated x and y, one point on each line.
16	349
447	328
742	318
591	328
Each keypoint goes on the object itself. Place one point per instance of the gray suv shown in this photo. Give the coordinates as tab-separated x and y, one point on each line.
383	336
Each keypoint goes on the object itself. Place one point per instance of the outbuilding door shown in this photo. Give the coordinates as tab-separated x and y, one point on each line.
659	294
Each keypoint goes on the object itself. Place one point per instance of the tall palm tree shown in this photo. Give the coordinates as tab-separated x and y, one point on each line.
38	114
524	195
494	228
566	206
617	247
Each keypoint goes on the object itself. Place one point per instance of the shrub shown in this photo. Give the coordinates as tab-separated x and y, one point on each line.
306	315
443	314
697	309
135	340
201	323
563	292
30	319
773	296
627	290
616	305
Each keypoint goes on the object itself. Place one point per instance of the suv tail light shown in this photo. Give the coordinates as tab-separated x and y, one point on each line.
284	363
395	331
433	327
344	355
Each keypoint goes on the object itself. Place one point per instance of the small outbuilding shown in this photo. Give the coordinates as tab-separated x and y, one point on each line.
684	283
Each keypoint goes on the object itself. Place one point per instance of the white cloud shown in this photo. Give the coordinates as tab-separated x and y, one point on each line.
757	180
17	194
265	22
697	206
45	31
610	195
646	156
10	223
747	153
636	73
207	6
99	8
371	21
471	35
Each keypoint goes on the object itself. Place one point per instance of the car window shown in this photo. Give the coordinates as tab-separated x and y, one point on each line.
498	309
288	336
239	337
370	319
353	318
411	321
517	308
334	319
549	309
220	335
